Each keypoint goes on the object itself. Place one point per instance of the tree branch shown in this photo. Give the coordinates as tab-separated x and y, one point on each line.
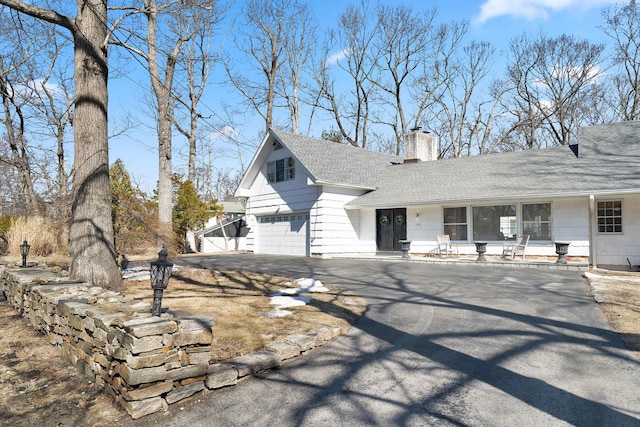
41	13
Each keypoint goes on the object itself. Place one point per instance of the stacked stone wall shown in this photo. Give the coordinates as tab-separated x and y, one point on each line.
146	363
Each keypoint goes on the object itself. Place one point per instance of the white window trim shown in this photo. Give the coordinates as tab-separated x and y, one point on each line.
610	233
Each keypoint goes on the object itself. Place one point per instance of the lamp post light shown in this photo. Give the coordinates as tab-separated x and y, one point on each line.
24	251
160	273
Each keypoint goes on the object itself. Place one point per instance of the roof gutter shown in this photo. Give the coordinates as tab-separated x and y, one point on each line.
542	196
337	185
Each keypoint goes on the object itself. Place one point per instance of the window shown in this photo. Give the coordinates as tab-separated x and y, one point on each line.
536	221
494	222
610	217
281	170
455	223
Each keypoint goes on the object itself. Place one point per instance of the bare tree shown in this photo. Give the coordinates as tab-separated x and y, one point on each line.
439	71
265	39
161	57
14	123
198	60
16	78
552	78
622	26
403	40
10	194
91	235
55	105
463	116
298	52
355	57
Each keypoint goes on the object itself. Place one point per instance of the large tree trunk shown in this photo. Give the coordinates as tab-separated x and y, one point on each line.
93	257
92	248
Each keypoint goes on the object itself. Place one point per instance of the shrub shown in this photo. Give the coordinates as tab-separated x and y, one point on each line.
5	224
135	222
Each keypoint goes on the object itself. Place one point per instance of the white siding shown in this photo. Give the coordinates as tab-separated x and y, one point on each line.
570	223
614	249
334	230
367	230
278	198
423	224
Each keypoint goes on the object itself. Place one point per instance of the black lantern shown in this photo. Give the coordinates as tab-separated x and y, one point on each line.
24	251
160	273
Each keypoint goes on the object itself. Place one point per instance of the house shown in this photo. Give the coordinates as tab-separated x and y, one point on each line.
227	234
318	198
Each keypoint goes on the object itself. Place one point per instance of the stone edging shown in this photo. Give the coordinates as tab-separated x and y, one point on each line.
146	363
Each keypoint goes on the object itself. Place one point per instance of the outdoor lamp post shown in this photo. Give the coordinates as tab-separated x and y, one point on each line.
24	251
160	273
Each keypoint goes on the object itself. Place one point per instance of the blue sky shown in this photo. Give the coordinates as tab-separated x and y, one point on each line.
495	21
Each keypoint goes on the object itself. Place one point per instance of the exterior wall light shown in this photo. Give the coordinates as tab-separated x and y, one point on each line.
24	251
159	274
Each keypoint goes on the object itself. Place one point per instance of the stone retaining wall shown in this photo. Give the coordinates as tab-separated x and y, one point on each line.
144	362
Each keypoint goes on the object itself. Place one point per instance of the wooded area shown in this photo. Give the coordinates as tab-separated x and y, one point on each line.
366	80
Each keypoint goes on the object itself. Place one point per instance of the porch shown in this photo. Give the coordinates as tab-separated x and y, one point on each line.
575	263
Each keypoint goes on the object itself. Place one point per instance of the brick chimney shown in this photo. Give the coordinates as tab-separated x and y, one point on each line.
420	146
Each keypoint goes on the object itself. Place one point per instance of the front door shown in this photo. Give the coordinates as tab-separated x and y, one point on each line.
391	227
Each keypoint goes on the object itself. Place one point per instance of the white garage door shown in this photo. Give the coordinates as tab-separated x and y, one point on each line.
283	234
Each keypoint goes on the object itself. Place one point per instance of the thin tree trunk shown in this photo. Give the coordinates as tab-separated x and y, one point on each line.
15	138
62	166
192	144
162	90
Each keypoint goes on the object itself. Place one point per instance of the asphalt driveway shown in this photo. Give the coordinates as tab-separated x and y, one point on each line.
457	345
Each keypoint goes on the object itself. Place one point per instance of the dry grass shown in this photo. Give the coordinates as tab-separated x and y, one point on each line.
238	302
618	295
40	232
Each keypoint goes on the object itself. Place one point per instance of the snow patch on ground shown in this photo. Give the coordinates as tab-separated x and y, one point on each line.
289	301
310	285
140	273
284	298
136	273
289	297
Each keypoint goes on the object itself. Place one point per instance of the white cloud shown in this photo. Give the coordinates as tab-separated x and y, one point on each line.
32	87
336	57
225	133
533	9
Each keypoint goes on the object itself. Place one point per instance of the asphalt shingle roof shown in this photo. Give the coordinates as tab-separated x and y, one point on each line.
338	164
608	162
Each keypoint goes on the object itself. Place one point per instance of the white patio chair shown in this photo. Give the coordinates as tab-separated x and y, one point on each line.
445	246
517	248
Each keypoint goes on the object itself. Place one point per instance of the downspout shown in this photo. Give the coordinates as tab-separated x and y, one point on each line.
592	232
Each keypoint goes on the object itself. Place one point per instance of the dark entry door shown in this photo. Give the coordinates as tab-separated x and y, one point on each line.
391	227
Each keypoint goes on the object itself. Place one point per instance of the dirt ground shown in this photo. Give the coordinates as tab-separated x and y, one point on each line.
38	388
